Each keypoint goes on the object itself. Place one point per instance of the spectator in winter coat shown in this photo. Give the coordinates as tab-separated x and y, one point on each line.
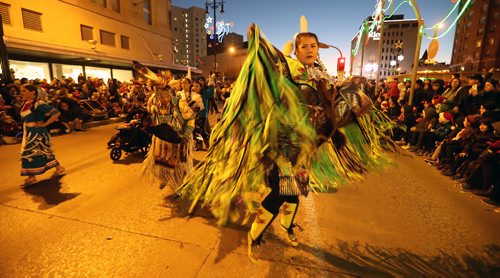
393	91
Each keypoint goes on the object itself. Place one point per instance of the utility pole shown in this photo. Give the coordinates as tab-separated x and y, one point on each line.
363	43
4	58
379	54
417	50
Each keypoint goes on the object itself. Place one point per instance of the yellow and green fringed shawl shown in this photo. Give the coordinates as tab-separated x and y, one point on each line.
231	180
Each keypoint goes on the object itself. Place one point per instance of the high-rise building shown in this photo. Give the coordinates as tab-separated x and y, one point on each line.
189	35
398	49
101	38
477	37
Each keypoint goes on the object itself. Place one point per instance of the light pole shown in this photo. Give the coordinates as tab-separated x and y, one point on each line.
214	4
414	5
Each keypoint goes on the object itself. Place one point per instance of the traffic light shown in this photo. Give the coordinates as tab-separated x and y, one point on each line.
340	64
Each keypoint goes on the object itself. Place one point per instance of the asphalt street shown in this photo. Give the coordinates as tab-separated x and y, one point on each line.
103	220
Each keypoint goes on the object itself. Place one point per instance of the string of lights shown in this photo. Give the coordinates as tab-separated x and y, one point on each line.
442	21
366	29
466	5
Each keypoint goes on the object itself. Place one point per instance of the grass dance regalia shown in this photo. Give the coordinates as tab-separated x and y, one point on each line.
170	157
288	128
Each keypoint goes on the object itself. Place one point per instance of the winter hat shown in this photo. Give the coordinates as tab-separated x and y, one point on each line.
437	99
446	117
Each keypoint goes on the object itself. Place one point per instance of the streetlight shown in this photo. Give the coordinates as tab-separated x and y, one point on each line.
214	4
232	49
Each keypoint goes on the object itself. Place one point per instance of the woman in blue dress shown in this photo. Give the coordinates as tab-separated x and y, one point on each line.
36	154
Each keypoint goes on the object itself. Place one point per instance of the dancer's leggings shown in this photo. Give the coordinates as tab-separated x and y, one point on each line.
274	200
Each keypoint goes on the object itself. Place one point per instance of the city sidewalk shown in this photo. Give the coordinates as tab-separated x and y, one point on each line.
7	140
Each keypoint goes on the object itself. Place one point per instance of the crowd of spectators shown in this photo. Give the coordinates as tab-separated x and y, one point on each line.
454	126
83	100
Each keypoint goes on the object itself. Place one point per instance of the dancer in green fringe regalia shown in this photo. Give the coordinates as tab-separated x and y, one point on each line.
288	128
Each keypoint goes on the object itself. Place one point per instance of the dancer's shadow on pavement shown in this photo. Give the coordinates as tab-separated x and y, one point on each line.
47	193
360	259
365	260
179	208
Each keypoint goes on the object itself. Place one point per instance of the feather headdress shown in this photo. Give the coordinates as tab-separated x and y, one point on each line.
161	79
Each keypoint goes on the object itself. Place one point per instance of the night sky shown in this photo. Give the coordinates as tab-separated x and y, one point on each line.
335	22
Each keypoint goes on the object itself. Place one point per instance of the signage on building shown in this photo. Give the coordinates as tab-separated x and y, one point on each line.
374	35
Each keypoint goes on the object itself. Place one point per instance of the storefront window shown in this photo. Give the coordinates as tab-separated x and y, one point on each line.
30	70
122	75
60	70
103	73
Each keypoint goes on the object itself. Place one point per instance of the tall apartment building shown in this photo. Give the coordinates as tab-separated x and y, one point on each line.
52	38
477	37
397	30
190	36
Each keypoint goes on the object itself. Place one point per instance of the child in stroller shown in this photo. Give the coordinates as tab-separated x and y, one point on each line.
132	136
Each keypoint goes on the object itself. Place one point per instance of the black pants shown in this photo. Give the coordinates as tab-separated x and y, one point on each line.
213	106
274	200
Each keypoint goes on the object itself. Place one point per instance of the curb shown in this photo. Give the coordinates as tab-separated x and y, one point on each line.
103	122
8	140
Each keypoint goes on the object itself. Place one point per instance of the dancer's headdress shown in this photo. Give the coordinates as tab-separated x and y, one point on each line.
288	47
160	79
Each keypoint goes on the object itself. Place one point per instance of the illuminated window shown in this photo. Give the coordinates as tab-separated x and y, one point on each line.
4	12
122	75
60	70
87	32
103	73
30	70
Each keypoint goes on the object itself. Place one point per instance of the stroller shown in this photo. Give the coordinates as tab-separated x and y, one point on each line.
132	136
